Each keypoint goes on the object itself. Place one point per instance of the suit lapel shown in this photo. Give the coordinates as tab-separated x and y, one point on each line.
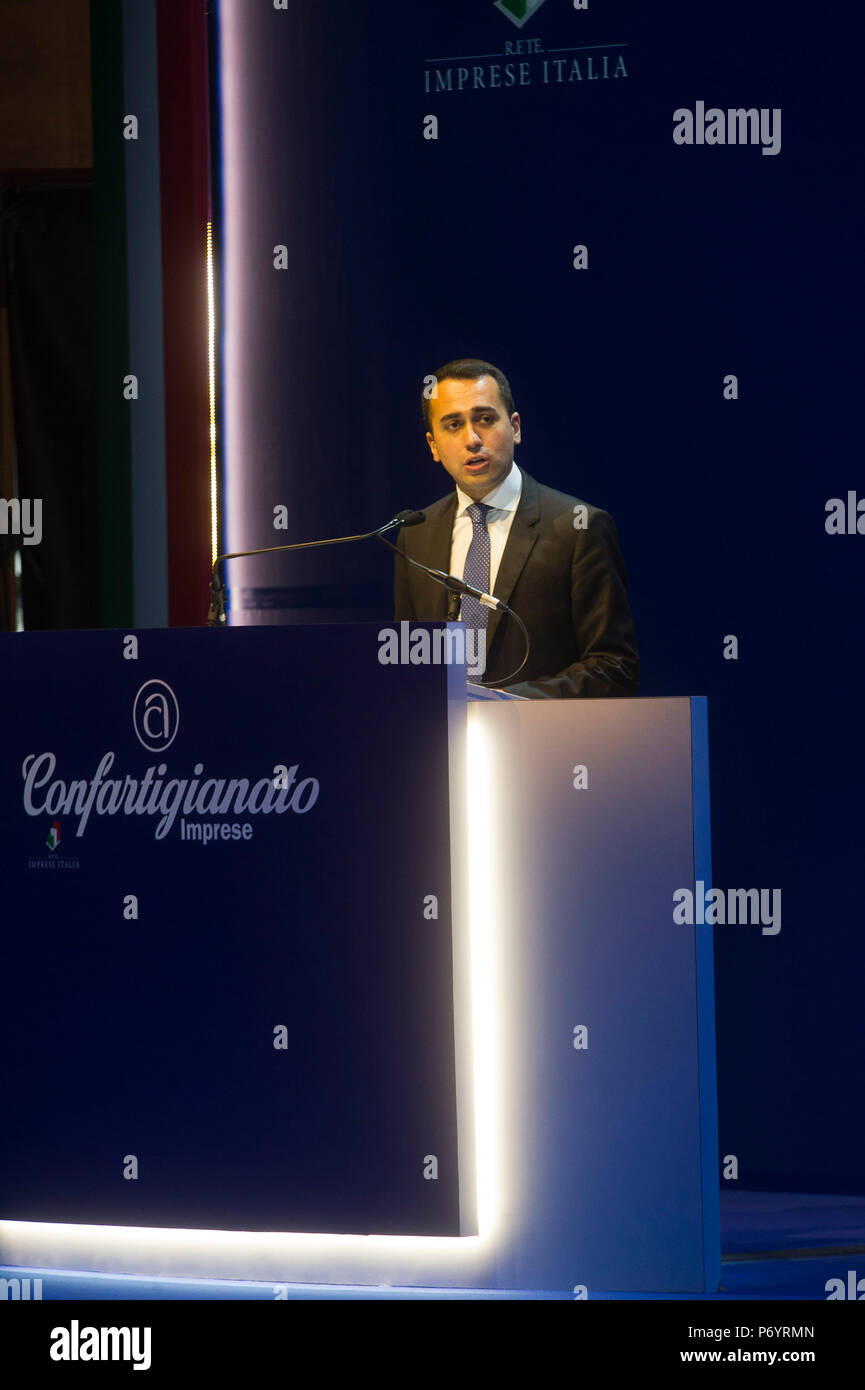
434	549
521	539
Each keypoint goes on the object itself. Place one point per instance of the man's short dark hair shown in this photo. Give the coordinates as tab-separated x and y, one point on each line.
469	369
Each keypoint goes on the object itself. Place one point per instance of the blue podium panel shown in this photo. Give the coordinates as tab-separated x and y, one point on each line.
227	1002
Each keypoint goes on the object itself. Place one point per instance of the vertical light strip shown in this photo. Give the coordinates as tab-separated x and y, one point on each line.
211	386
482	841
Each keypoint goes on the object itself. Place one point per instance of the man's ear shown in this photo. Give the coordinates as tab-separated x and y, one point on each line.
515	421
432	447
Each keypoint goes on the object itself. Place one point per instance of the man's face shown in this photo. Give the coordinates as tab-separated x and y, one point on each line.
472	435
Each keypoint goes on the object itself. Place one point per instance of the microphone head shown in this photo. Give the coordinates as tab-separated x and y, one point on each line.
410	518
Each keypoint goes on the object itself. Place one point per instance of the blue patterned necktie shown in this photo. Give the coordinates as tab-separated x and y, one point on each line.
477	571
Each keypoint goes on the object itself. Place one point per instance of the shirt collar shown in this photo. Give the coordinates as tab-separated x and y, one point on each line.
503	498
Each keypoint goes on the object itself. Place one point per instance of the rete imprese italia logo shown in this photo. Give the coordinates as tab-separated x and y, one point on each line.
519	12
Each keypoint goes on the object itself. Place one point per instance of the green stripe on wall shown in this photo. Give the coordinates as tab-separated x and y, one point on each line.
112	317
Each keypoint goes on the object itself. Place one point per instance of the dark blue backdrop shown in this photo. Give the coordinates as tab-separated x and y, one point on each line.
702	261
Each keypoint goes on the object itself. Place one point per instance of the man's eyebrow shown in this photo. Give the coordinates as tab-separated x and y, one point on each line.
475	410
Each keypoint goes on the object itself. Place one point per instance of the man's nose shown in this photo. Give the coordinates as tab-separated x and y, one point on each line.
473	436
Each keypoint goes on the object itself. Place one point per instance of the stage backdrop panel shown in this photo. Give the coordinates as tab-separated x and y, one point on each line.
405	183
235	1018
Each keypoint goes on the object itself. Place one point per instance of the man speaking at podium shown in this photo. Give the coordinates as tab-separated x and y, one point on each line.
553	559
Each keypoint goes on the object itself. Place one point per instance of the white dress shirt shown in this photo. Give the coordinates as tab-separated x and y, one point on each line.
503	500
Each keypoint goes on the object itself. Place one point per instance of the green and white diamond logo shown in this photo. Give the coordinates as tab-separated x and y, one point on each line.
519	12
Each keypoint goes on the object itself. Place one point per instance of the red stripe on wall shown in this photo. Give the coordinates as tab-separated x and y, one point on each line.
185	191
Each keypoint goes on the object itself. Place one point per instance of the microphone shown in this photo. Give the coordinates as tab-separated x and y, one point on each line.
459	586
216	612
455	588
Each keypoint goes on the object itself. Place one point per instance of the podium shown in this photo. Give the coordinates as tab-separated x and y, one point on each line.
370	983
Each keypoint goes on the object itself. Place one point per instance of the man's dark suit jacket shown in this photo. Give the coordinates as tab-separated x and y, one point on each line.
569	586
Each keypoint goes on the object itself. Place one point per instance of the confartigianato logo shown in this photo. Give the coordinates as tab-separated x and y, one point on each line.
152	795
156	720
155	716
